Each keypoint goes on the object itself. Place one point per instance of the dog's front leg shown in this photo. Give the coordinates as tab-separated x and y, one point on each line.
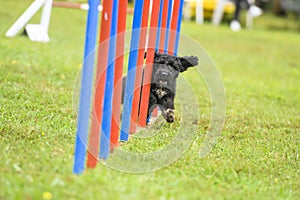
152	104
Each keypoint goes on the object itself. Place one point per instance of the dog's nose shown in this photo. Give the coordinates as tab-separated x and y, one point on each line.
164	74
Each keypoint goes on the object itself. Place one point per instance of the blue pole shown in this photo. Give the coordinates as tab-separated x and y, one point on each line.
178	27
129	89
168	25
159	25
86	88
109	86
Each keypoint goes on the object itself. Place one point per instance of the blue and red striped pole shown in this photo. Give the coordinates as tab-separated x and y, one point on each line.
149	63
109	86
163	25
174	28
93	150
179	20
139	68
168	26
130	78
161	7
86	88
117	95
172	46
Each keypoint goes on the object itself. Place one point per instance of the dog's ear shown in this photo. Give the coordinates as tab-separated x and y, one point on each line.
180	64
188	61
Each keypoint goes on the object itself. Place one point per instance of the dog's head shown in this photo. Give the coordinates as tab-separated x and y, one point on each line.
166	69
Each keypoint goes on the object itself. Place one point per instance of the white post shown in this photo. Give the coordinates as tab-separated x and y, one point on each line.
249	20
46	14
249	17
25	17
187	11
218	12
199	12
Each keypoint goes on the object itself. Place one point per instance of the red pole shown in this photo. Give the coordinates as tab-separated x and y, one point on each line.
139	68
117	95
163	26
162	37
94	139
173	27
149	64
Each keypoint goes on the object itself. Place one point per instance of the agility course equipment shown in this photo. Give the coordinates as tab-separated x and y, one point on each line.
36	32
199	7
81	6
100	110
39	32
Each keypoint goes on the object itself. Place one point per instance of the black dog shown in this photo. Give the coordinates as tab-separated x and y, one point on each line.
166	69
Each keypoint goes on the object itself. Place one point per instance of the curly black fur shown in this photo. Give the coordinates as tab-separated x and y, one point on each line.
166	69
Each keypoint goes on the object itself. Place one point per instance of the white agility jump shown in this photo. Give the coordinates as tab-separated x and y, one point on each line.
36	32
39	32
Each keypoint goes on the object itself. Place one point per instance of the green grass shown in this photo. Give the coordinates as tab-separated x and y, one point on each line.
257	156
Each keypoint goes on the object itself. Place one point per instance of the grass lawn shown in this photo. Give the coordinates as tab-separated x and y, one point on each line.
257	156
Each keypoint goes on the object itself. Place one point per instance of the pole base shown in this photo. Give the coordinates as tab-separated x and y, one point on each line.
37	33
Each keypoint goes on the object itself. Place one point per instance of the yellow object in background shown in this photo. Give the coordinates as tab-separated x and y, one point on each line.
208	8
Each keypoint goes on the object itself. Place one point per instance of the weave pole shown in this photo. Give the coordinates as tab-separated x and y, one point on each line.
86	88
149	64
168	26
172	49
159	25
160	36
173	27
178	27
164	18
93	149
117	95
163	26
139	68
130	78
109	86
24	18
